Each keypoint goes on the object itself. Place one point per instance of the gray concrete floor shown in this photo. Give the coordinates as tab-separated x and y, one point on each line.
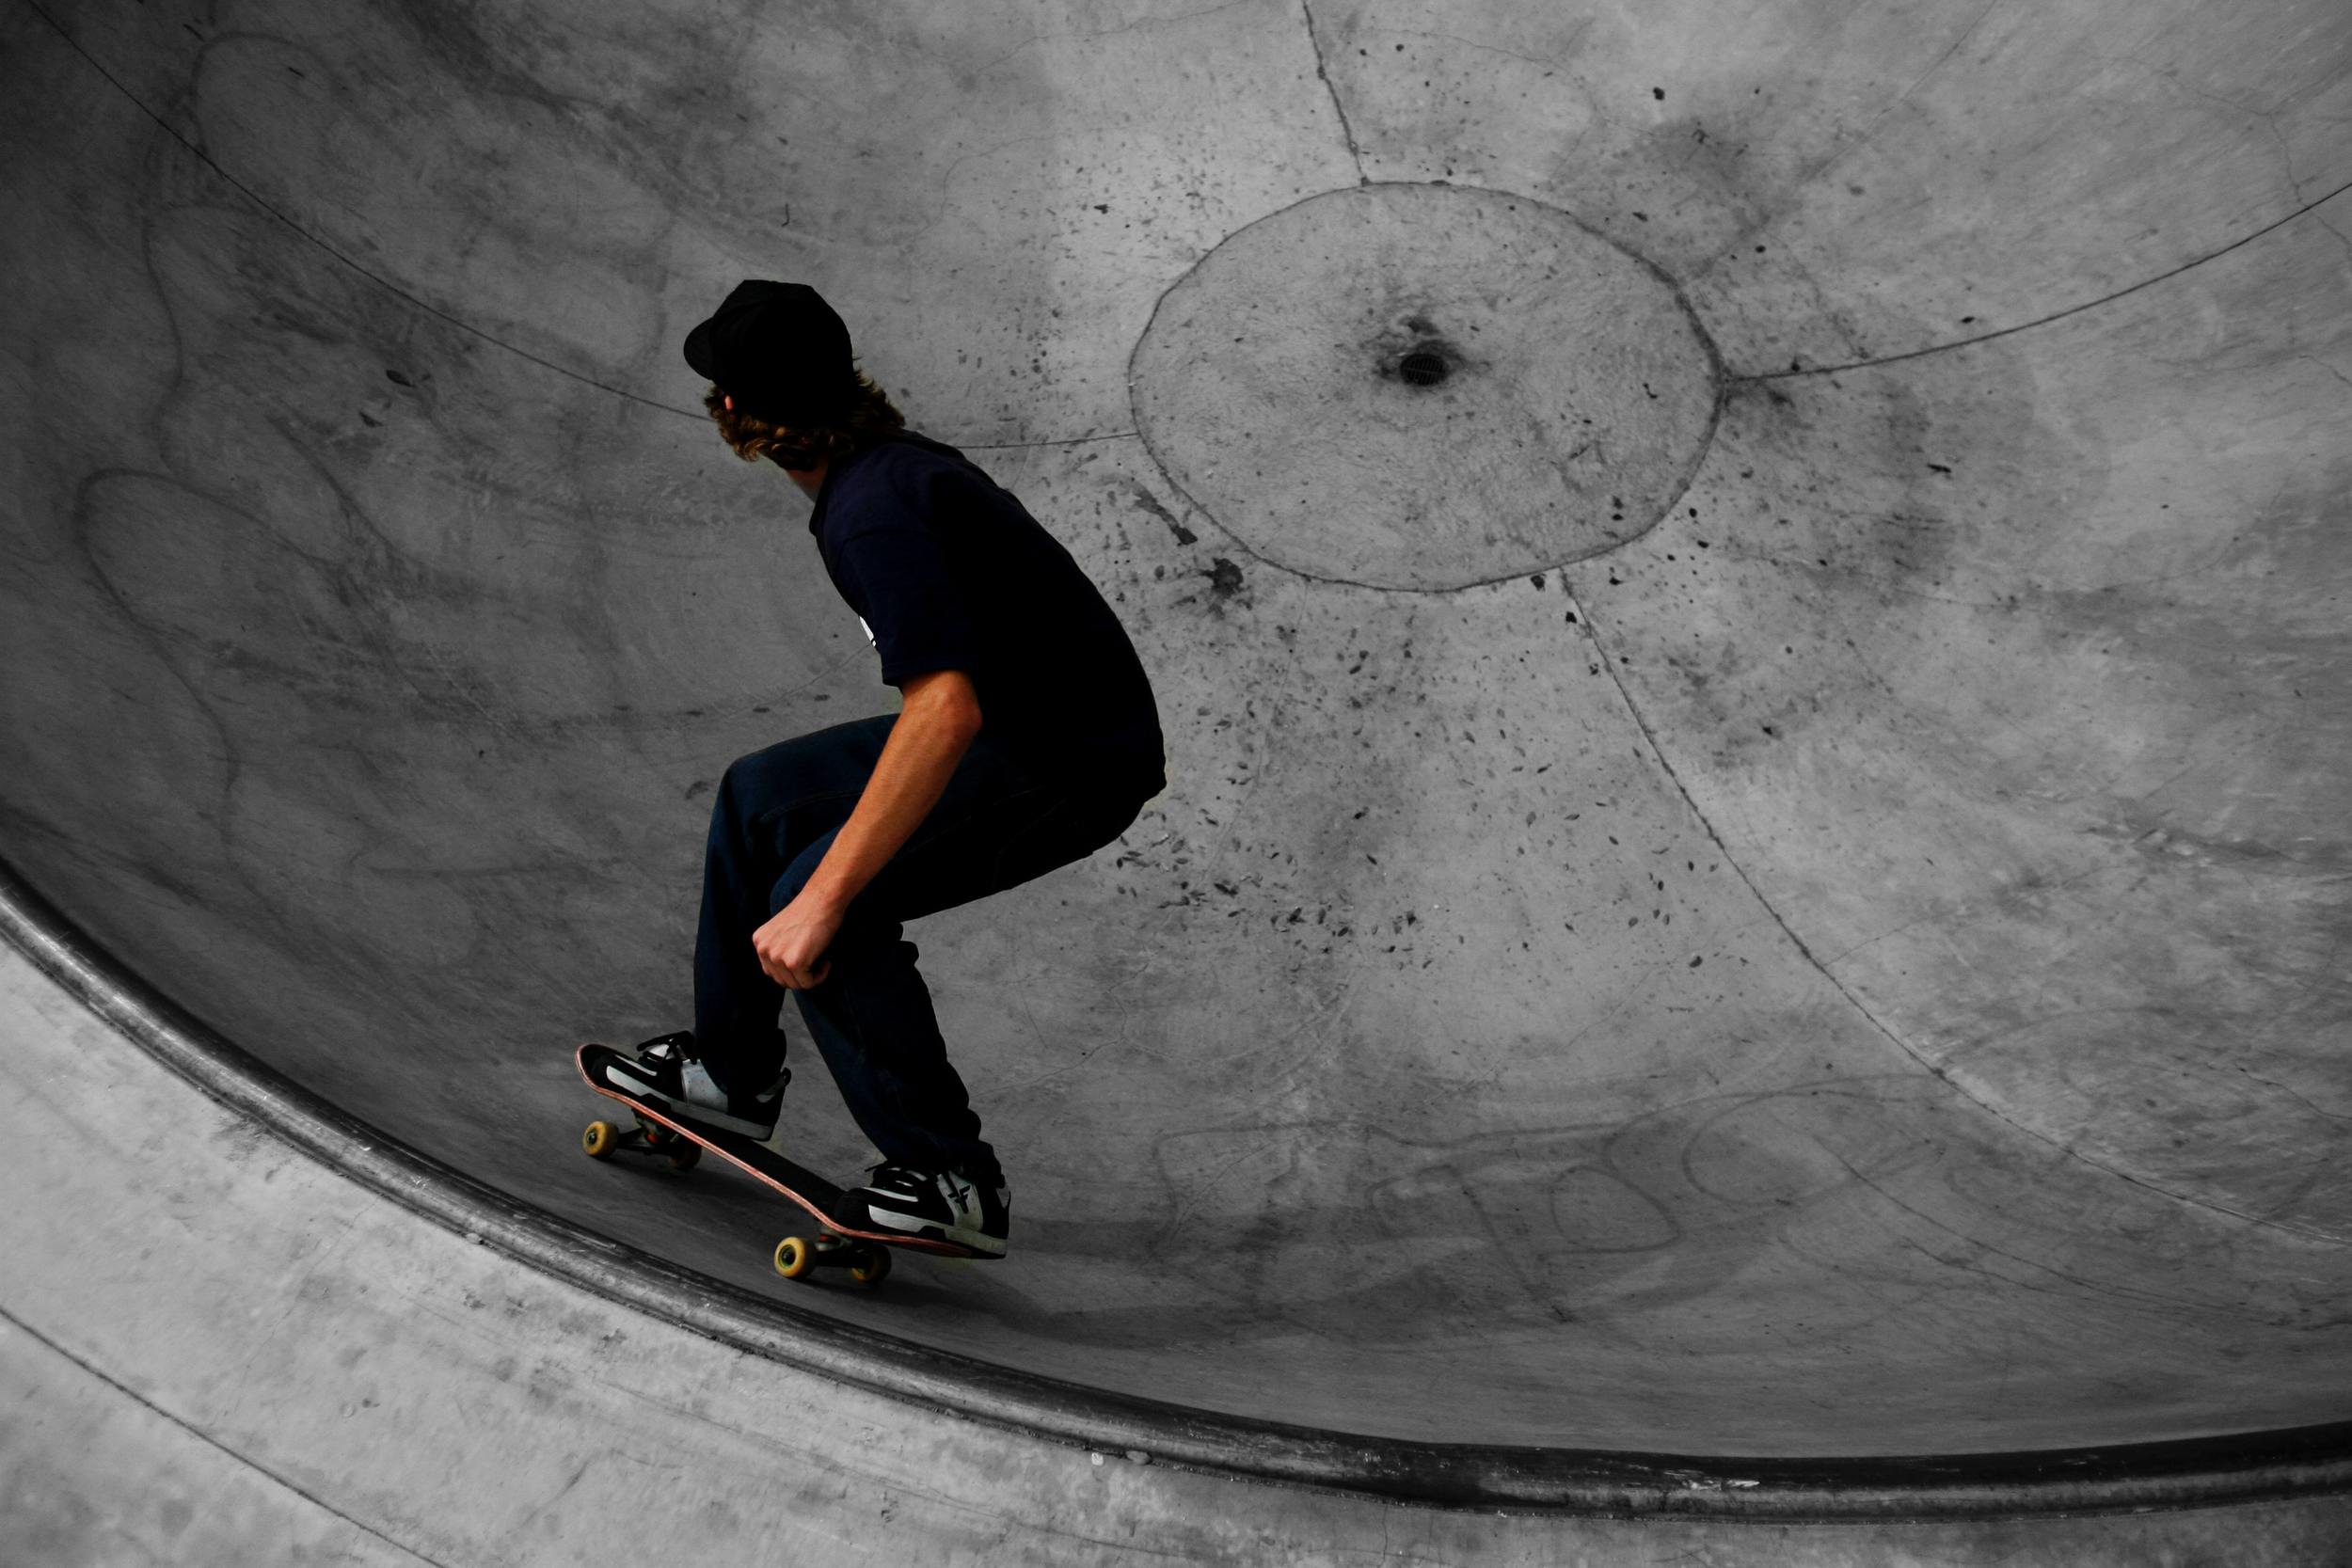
1759	872
230	1352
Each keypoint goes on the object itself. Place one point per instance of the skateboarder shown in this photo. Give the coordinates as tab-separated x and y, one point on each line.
1029	738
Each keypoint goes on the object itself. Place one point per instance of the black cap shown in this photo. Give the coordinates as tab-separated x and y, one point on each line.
779	350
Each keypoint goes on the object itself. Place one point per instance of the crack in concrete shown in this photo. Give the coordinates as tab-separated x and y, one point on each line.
2056	315
2323	364
2267	119
947	176
1059	441
244	1461
1861	138
266	208
1941	1075
1552	62
1323	70
2340	234
1136	26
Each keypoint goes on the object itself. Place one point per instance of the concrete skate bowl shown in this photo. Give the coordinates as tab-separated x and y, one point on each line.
1750	609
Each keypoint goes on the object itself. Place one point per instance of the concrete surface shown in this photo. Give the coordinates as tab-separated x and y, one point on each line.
1829	948
232	1352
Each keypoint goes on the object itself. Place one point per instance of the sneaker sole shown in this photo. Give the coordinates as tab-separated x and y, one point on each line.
979	1243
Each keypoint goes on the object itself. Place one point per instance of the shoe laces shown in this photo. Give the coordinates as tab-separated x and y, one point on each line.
669	1048
892	1177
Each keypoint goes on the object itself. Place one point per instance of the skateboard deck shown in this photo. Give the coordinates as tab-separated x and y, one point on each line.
661	1131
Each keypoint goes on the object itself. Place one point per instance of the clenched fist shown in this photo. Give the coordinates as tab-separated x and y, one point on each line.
791	947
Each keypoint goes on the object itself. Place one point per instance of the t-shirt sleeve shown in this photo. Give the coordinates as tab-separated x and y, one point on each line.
914	609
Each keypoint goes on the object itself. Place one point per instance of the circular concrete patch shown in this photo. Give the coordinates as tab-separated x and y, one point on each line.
1425	386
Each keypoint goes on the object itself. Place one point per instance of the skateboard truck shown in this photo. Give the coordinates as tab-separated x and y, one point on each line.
795	1255
601	1140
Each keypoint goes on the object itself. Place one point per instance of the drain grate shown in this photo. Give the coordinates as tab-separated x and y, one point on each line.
1422	368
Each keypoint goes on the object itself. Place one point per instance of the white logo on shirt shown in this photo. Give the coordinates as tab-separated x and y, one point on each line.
868	631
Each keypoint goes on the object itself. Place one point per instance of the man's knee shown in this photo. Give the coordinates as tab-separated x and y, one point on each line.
757	775
774	778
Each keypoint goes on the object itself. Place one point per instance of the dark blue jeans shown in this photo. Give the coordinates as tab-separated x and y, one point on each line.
778	810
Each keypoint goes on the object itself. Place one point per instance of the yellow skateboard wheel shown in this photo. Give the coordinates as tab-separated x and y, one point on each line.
598	1138
794	1258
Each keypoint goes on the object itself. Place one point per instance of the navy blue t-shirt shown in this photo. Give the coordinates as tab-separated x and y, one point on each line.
949	572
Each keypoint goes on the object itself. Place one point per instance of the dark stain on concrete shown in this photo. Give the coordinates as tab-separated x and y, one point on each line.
1144	501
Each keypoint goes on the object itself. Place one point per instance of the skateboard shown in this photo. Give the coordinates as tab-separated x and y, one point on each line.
665	1135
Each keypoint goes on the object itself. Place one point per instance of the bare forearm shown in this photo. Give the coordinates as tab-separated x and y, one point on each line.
928	740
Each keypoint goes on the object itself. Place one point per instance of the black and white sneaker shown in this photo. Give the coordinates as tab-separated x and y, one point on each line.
667	1072
944	1206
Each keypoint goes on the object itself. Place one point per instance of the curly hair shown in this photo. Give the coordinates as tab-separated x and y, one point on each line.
870	417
